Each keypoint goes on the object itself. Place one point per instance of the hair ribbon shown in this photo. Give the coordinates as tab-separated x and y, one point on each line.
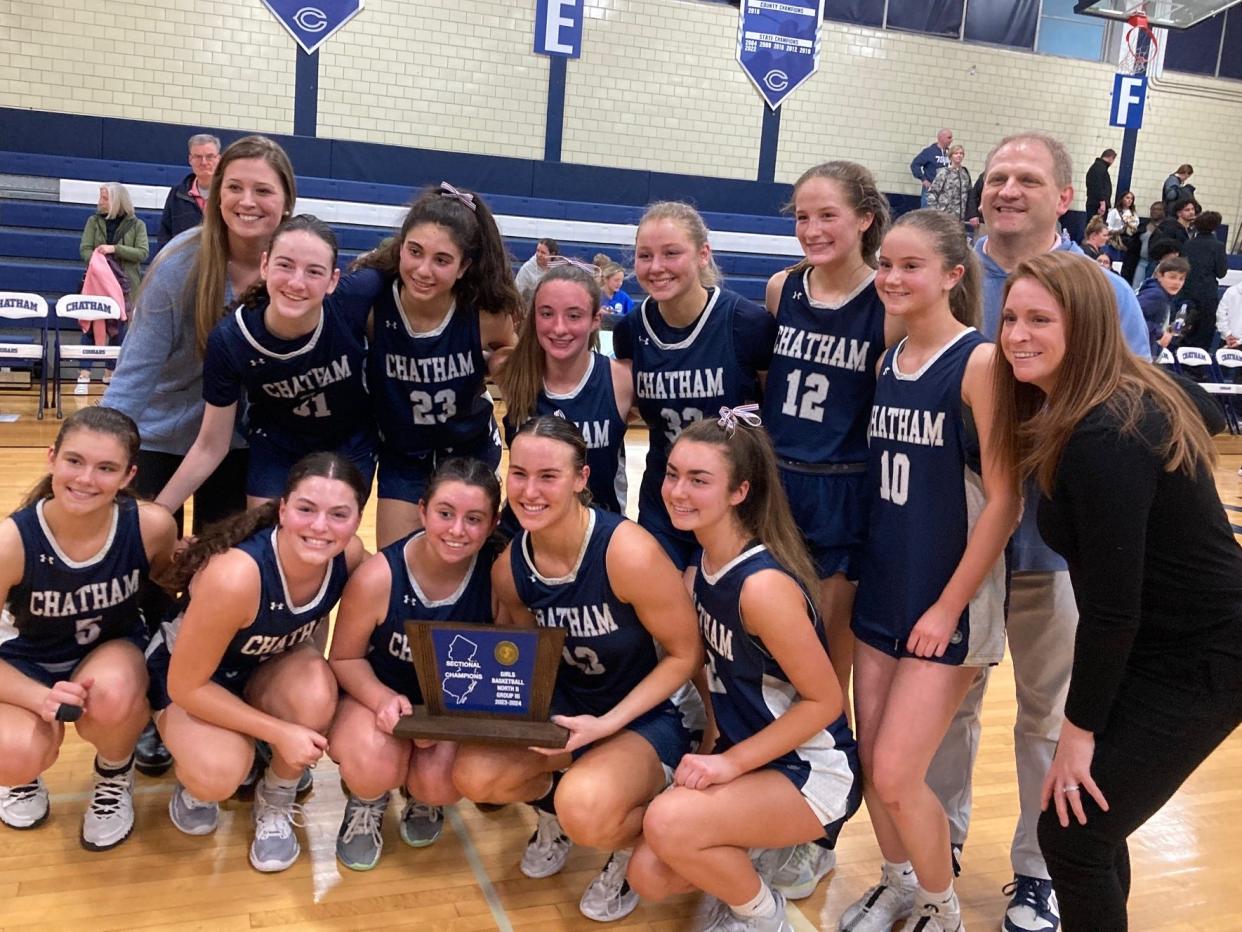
590	269
447	190
746	414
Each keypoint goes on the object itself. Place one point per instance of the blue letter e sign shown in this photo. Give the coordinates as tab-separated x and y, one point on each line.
558	27
1129	96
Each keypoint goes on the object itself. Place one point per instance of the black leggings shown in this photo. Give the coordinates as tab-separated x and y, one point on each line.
1161	728
223	494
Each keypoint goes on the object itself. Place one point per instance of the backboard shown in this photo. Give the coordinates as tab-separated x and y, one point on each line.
1169	14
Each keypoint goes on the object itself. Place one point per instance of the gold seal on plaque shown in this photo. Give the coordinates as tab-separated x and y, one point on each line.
506	653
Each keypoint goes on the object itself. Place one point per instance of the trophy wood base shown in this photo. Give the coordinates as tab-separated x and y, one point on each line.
480	730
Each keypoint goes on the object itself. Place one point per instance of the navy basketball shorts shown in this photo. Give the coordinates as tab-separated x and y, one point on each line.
49	673
269	466
831	512
404	476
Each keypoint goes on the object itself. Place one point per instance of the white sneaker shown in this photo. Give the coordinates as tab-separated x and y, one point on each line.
25	806
547	849
796	871
608	897
275	846
726	920
883	906
110	816
190	814
939	917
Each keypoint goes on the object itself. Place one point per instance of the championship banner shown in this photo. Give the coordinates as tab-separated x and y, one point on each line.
778	44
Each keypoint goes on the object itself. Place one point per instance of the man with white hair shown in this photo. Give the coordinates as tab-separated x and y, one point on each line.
930	160
183	210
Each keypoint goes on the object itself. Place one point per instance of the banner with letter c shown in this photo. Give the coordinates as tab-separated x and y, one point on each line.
313	22
778	44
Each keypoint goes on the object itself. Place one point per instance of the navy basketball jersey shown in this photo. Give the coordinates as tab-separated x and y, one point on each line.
389	648
304	394
607	650
428	387
687	377
592	406
822	378
279	625
63	609
750	690
926	493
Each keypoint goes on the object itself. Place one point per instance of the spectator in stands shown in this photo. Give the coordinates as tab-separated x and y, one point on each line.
1176	188
950	189
114	232
1229	316
1123	223
1100	184
929	161
1158	298
1174	230
528	275
1206	255
1134	268
1096	236
184	207
615	301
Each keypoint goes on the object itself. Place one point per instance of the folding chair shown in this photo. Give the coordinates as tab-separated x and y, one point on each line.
1166	359
81	307
17	305
1229	389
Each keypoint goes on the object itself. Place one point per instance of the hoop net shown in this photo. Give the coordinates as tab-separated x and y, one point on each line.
1133	57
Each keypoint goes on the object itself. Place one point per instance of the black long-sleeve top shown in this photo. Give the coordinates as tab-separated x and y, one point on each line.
1156	571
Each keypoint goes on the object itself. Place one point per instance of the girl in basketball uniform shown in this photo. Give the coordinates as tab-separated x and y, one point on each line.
241	662
73	558
297	355
439	573
445	325
784	771
831	330
557	369
930	606
631	645
692	347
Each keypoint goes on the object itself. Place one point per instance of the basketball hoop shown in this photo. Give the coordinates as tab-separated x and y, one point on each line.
1135	54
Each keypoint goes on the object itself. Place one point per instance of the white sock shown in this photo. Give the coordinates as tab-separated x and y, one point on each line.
903	870
763	904
946	898
273	782
113	766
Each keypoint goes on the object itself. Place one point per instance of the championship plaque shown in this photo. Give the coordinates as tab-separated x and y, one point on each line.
484	683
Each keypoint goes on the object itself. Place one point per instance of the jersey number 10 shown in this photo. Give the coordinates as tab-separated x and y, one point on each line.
894	478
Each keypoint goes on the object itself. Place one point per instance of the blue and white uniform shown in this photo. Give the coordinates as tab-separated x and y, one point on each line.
683	374
63	609
607	649
926	494
592	406
750	691
278	625
820	386
388	651
430	398
302	395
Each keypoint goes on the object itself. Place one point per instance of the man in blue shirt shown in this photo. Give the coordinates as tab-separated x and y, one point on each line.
930	160
1027	187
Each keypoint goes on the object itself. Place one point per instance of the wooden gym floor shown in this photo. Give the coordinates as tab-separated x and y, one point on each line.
1185	861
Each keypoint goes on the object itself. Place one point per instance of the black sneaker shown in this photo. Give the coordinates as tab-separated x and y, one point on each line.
150	756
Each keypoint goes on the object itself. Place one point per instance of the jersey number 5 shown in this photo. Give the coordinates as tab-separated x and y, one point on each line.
815	387
425	405
87	630
894	478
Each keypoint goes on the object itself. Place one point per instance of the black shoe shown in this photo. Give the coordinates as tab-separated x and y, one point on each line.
150	756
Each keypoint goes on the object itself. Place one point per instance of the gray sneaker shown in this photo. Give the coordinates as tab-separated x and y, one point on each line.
796	871
360	841
191	815
421	824
726	920
882	906
110	816
25	806
275	846
547	849
608	897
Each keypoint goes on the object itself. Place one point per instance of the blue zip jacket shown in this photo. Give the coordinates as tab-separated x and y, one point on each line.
928	162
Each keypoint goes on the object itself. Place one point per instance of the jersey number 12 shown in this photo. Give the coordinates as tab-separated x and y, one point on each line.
815	387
